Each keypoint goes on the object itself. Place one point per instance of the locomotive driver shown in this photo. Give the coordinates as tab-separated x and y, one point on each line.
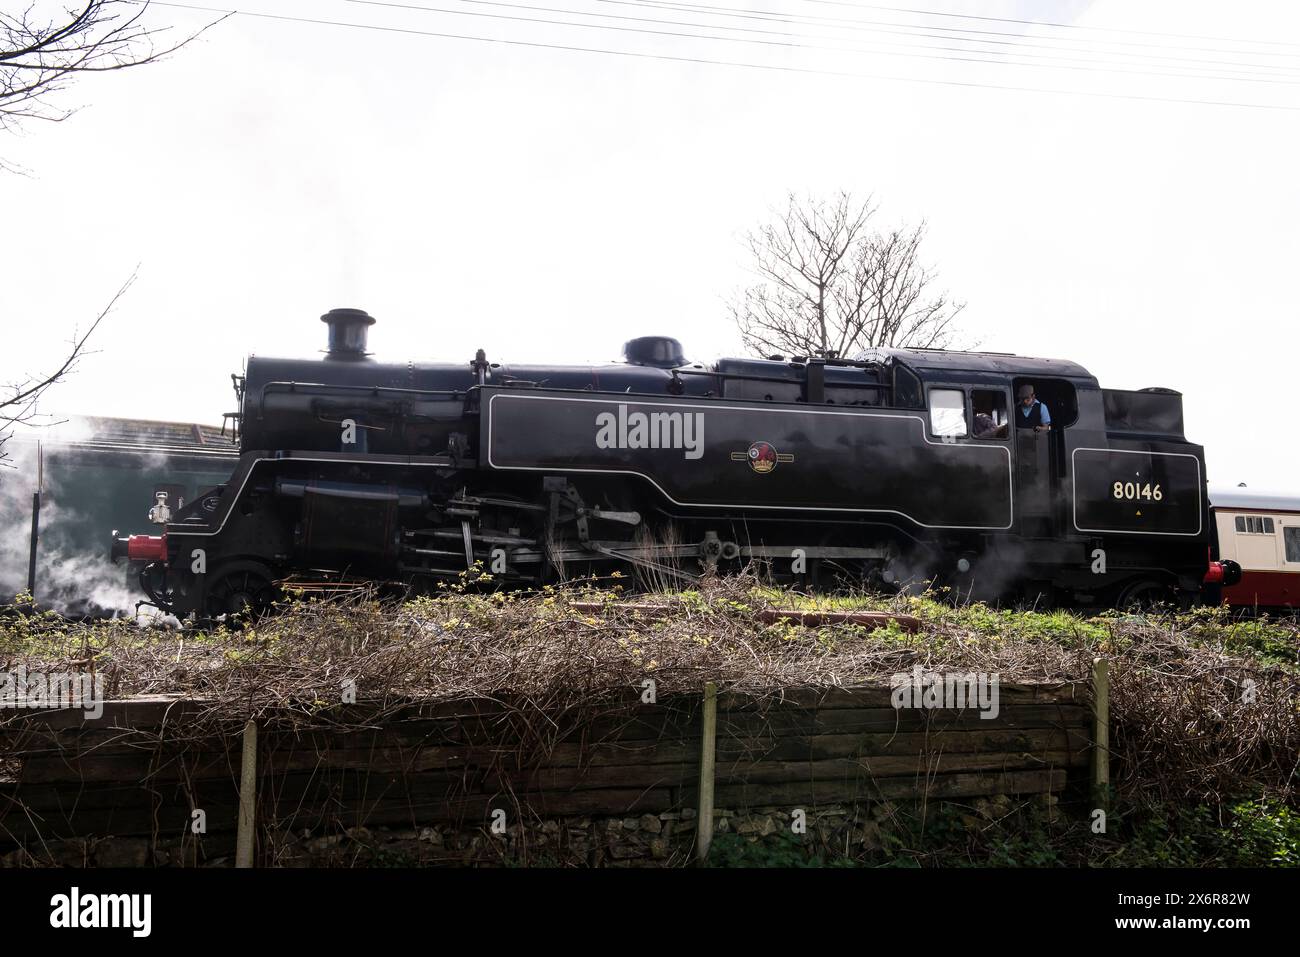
1031	414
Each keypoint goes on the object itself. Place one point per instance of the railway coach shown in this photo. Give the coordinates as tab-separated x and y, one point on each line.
1259	533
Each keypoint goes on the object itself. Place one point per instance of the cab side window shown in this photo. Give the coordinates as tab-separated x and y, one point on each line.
948	413
990	409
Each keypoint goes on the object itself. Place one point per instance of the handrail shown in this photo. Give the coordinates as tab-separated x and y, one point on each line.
370	389
745	377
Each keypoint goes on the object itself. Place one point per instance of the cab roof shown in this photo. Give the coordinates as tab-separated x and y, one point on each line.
996	363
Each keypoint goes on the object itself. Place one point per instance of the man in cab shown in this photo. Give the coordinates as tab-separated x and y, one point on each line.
1031	414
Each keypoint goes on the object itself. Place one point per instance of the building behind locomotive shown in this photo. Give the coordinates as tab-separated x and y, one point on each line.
96	471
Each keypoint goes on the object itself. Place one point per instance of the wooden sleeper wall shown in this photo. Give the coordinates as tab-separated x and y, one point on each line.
146	763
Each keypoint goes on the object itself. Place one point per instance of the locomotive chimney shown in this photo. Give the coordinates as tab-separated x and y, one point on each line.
347	335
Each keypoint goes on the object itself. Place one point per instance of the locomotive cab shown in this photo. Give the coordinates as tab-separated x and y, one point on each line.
1041	469
1108	503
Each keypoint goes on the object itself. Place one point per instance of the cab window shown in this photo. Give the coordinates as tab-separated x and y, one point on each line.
948	413
990	414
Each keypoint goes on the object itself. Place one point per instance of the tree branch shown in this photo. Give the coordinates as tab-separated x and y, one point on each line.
831	284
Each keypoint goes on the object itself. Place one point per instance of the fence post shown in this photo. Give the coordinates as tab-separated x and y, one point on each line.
247	798
31	558
1101	731
708	750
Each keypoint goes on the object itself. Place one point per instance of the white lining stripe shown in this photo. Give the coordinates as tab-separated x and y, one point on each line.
1200	506
616	400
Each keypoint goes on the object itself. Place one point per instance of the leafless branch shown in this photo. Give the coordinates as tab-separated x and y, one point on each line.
41	53
830	285
19	400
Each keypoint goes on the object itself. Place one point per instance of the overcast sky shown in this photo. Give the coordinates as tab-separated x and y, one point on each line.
546	204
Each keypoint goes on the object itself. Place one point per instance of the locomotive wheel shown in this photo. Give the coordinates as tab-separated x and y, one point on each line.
240	591
1145	594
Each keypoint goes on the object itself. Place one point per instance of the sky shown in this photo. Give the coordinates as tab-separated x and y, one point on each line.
1120	191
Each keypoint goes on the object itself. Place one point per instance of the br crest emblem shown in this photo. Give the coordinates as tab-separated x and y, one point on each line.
762	457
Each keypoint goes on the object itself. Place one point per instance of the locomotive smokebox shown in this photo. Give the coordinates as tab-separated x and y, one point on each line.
347	335
660	352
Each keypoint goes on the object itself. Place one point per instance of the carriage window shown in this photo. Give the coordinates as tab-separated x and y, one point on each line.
1292	538
947	412
990	410
1254	524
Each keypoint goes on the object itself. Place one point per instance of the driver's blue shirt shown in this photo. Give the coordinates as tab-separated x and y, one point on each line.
1044	416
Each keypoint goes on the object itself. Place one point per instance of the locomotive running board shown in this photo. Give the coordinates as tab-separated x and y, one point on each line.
627	552
779	551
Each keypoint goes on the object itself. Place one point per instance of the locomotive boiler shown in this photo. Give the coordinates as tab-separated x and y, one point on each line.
899	468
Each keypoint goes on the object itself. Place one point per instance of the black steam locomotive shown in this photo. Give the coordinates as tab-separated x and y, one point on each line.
906	466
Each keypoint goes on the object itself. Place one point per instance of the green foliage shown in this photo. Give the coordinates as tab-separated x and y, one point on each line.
1258	832
1066	628
1266	832
777	850
391	857
1165	836
465	603
1271	645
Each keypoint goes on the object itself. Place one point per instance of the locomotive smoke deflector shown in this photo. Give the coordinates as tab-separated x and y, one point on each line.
347	335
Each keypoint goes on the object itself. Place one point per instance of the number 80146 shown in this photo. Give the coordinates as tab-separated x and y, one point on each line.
1136	490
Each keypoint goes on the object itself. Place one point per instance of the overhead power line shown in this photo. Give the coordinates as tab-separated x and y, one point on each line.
956	33
1059	26
952	54
699	60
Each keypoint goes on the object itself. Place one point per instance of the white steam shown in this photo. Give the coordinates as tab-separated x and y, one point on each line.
69	577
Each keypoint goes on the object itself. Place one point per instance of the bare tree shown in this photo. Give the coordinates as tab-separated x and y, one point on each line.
40	53
43	47
19	400
831	285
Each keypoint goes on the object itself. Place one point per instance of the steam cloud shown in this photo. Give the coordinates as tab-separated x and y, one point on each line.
70	578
